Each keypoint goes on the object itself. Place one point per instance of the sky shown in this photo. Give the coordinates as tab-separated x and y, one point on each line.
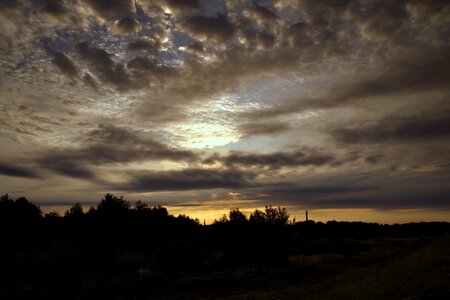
340	107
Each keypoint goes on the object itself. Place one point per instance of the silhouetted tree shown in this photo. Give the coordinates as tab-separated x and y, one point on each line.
5	198
27	211
52	214
52	218
270	215
276	216
257	217
188	220
160	211
21	218
221	220
113	205
92	211
236	216
139	205
76	211
6	205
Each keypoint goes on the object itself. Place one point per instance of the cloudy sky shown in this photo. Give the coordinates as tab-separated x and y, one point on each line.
340	107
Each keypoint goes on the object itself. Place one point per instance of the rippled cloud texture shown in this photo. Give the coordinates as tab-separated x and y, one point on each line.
309	104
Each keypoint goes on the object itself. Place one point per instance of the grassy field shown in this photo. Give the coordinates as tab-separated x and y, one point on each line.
422	274
388	269
376	268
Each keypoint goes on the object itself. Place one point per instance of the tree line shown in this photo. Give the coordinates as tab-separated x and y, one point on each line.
23	211
117	245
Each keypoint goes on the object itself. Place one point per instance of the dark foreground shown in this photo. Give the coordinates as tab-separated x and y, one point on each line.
119	251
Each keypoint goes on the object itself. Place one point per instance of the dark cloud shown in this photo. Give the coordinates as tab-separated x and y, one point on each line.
118	76
300	35
379	20
335	194
293	190
195	47
177	6
375	20
64	63
95	56
183	4
11	6
272	128
112	9
414	75
187	179
134	147
106	133
89	81
55	8
9	169
151	46
262	12
65	163
218	27
107	145
142	63
405	195
374	159
136	74
128	25
273	160
434	200
107	69
416	128
255	39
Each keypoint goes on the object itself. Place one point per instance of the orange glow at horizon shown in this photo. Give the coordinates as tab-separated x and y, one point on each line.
209	214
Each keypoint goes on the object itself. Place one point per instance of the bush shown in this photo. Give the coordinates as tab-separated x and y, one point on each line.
270	216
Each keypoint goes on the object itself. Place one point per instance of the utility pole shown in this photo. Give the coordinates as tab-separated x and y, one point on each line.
306	216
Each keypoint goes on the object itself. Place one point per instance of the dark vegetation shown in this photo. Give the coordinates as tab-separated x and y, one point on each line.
123	251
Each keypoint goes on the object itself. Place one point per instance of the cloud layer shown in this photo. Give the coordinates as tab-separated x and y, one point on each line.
297	102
